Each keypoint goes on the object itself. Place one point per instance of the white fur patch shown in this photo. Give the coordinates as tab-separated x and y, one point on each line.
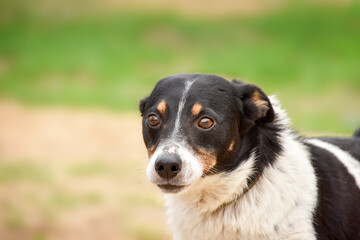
350	163
180	108
279	206
191	169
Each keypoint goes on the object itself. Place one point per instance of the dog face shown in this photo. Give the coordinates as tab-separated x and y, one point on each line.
193	126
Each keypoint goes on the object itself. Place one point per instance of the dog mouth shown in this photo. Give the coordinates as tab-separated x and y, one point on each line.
170	188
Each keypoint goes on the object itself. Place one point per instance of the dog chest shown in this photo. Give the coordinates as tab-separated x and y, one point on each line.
229	224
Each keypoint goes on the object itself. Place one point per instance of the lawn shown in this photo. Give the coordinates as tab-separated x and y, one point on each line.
299	53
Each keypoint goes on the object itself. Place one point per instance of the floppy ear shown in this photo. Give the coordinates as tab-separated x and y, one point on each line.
255	105
142	105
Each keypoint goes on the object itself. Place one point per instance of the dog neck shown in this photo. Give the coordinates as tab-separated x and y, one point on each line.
251	182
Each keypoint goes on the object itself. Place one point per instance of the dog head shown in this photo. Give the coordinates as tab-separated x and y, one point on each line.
195	125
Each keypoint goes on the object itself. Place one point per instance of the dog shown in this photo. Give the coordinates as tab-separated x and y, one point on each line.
231	167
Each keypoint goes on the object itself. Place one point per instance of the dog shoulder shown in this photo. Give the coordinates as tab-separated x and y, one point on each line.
338	181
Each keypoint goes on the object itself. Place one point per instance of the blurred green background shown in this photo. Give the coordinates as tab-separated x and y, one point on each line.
62	52
72	162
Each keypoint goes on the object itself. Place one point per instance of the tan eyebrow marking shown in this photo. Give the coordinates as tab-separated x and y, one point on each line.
231	147
196	109
162	107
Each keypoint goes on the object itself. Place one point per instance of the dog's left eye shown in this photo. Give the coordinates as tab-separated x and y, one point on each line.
153	120
206	123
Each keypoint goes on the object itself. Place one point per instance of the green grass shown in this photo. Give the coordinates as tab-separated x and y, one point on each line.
91	169
13	218
115	60
23	172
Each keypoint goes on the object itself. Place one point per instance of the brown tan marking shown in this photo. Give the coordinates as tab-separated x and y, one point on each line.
208	159
231	147
162	107
196	109
151	151
260	103
256	98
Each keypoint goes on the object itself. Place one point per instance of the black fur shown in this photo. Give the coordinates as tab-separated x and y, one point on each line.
337	216
254	130
251	127
350	145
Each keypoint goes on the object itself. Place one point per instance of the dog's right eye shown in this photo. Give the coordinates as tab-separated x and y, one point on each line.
153	120
206	123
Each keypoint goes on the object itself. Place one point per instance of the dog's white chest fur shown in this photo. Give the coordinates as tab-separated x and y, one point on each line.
279	206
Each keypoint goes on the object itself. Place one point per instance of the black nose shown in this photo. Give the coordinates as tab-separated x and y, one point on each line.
168	166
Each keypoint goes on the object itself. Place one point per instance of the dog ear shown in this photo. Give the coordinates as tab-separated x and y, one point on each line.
142	105
237	81
255	105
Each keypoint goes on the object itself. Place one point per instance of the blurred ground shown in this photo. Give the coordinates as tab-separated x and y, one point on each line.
75	174
70	173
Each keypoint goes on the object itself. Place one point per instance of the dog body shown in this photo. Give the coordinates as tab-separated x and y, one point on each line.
232	168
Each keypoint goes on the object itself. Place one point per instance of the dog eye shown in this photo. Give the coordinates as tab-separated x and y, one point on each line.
205	123
153	120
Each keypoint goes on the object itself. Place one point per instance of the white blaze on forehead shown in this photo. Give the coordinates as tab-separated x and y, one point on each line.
180	109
